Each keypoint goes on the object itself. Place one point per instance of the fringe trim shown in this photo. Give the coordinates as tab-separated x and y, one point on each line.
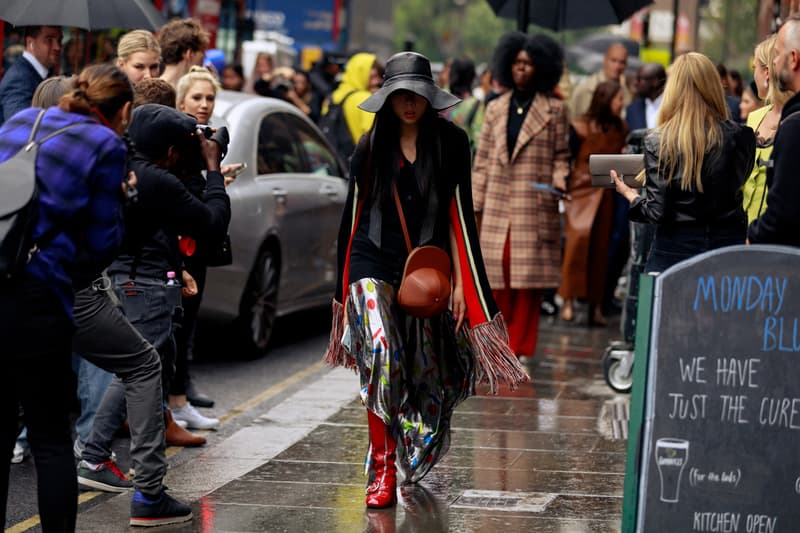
335	354
495	363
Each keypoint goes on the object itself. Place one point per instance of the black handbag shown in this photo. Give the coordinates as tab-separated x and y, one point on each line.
221	254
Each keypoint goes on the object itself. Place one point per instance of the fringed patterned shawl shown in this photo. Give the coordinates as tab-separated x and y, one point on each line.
485	327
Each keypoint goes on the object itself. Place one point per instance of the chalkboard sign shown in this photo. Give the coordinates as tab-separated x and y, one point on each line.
720	448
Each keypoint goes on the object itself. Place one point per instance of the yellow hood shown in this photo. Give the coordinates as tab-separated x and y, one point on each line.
355	77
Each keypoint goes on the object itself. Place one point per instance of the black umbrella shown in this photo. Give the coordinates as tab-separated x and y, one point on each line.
566	14
87	14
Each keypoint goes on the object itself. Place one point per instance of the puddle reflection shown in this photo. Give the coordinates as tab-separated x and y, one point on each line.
417	511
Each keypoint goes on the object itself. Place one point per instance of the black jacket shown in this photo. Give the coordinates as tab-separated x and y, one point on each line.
780	222
164	210
723	174
453	171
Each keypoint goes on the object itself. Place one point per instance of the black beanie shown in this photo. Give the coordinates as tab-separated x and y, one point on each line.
155	127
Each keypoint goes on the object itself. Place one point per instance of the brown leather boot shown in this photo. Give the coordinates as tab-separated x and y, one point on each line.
177	436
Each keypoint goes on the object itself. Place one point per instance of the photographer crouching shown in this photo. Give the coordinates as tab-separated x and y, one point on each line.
146	275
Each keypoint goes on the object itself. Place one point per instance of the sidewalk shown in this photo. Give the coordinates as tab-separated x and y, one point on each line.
542	458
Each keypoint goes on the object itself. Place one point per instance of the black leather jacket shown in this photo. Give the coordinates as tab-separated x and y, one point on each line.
780	223
723	174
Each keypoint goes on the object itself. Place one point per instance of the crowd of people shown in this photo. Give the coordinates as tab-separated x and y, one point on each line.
708	182
132	205
496	173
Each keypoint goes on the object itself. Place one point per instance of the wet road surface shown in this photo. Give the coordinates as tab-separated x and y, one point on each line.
542	458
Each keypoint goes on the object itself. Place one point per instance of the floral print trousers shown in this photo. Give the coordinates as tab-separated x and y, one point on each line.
413	371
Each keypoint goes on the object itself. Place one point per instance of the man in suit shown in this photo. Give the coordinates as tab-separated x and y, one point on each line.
42	53
650	81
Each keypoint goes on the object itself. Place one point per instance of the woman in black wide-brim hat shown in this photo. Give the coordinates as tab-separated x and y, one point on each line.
413	371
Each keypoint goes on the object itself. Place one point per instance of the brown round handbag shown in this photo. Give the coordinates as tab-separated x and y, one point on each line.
425	288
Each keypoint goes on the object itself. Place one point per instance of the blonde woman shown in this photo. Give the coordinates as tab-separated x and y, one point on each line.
196	93
764	122
696	161
138	55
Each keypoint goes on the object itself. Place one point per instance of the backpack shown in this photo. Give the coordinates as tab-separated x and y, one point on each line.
334	126
19	202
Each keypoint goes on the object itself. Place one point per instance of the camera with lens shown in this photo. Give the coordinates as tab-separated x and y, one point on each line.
191	155
280	85
131	193
218	135
206	130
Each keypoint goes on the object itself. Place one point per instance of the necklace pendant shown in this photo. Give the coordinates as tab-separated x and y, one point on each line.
519	110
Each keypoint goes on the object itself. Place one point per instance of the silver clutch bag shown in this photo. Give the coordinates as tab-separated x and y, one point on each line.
627	166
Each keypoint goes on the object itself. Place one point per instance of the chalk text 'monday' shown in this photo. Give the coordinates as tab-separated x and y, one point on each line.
741	293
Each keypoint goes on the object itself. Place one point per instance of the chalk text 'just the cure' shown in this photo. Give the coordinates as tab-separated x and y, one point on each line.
737	377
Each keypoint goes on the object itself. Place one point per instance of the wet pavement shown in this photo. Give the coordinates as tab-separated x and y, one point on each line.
547	457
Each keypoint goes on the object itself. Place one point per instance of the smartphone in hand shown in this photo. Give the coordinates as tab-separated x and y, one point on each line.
229	172
233	170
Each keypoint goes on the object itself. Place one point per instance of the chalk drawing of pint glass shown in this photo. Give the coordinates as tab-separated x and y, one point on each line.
671	458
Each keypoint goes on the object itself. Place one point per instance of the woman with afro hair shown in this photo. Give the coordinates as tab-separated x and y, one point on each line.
522	160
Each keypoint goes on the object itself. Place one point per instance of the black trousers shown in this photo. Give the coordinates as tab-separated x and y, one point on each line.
36	347
184	336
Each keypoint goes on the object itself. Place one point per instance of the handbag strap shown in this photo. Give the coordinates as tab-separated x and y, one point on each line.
402	217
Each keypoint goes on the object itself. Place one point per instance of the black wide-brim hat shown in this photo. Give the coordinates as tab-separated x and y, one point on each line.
409	71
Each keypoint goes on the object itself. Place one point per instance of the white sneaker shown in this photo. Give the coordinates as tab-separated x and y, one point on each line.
181	423
193	418
20	453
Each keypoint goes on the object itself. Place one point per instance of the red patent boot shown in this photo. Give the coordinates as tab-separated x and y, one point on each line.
382	492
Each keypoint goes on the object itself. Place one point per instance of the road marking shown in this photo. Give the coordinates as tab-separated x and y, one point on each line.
260	397
34	521
263	396
272	391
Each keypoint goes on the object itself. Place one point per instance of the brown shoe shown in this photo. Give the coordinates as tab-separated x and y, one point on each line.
177	436
596	317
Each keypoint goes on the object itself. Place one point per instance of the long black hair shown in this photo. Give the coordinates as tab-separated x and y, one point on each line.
546	54
383	159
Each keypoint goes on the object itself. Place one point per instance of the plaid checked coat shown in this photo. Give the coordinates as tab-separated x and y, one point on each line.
503	193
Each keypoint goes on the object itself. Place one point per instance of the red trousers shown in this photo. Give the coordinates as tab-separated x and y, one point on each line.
520	308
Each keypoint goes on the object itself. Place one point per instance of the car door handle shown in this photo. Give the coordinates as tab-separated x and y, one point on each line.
329	190
280	195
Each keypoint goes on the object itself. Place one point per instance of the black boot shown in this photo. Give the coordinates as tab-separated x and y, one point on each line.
196	398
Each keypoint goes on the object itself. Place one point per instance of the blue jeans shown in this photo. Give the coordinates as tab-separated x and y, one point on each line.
22	438
92	384
675	244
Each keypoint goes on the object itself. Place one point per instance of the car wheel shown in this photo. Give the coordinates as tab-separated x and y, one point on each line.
259	305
